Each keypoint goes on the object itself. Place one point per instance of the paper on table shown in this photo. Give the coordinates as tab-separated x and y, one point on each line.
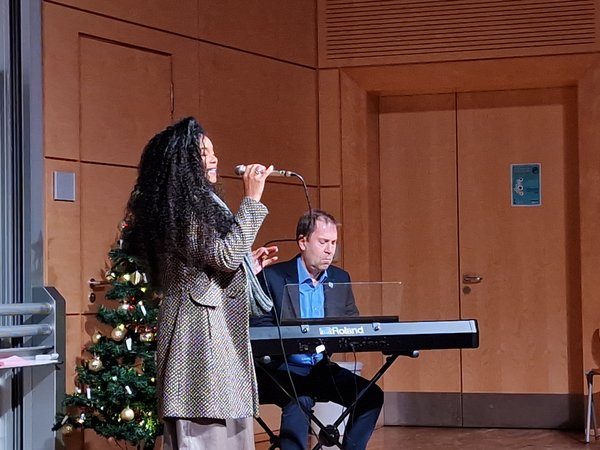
12	361
16	361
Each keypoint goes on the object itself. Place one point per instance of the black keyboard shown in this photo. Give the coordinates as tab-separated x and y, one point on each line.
370	336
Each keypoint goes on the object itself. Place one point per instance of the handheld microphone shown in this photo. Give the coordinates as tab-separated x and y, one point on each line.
241	170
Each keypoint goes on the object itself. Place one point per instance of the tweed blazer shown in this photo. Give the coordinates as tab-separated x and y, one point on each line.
204	360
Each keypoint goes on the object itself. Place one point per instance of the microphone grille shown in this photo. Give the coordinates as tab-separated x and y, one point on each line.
239	170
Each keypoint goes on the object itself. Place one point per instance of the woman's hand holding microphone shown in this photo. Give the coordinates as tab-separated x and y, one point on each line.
254	180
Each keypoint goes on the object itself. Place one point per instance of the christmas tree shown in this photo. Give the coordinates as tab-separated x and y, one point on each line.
115	392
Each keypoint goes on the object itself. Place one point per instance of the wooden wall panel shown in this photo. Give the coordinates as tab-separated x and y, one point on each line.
61	80
62	265
419	229
360	182
180	18
475	75
258	109
360	187
330	139
119	113
331	201
73	338
104	194
281	29
589	186
70	78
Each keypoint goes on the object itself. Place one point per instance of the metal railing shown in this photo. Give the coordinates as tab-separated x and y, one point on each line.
32	348
21	331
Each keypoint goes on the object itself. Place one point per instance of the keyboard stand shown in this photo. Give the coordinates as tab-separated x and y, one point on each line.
329	435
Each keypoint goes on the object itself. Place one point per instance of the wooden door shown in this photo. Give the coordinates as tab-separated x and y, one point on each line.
446	212
527	256
419	230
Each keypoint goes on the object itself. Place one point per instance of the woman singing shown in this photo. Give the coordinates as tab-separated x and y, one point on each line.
198	256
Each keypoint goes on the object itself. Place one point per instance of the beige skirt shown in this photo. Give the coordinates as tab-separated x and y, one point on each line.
208	434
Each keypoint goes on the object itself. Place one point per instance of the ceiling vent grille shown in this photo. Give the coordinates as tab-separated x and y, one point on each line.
369	29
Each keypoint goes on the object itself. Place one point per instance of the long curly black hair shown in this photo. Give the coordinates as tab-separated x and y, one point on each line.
172	198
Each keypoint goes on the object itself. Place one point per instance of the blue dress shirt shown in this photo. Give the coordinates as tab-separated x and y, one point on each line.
312	306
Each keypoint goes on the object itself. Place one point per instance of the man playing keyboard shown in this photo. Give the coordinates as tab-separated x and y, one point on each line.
314	375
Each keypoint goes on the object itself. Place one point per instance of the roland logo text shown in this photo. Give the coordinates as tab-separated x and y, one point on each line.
341	331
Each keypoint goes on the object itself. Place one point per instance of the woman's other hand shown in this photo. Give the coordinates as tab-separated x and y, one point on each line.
262	257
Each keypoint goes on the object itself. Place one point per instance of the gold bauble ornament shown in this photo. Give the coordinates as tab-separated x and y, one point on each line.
147	336
95	365
96	337
127	414
125	277
66	429
118	333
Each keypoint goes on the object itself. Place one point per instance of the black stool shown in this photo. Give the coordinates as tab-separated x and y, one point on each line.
329	434
273	438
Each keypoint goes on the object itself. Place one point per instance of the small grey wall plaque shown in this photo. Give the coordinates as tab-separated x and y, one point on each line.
64	186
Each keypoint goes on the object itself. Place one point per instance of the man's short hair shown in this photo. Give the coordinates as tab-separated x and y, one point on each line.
308	222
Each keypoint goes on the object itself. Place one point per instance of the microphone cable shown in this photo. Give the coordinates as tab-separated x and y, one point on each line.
284	354
278	320
297	175
240	169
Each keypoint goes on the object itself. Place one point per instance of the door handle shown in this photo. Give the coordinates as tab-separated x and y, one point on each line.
472	279
94	284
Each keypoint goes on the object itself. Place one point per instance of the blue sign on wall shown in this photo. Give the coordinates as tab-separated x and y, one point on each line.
526	184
